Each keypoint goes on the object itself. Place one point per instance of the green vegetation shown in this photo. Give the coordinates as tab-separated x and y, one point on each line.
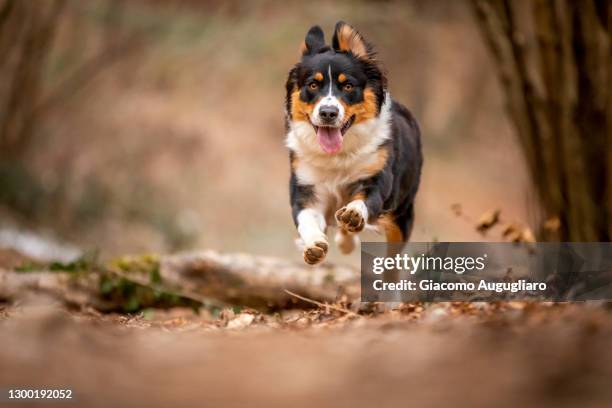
132	283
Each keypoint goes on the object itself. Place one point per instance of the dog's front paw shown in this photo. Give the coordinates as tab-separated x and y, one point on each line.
315	253
350	219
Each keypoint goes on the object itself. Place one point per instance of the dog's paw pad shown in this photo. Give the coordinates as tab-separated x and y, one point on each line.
316	253
350	219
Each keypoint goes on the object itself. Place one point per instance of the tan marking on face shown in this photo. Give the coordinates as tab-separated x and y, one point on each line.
363	110
341	78
303	48
319	76
350	40
300	110
392	230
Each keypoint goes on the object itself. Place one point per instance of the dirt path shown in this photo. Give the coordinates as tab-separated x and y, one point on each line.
458	355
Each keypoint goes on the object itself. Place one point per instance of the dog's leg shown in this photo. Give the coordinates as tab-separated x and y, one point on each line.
393	232
346	241
308	217
311	227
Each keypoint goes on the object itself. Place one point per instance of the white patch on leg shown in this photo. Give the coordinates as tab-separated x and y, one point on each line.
311	226
360	206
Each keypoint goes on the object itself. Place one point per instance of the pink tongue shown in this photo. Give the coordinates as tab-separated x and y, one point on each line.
330	139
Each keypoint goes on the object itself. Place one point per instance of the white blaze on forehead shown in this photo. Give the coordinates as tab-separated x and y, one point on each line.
330	81
329	100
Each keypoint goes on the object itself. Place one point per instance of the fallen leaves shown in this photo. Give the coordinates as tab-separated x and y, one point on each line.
457	209
515	232
241	321
322	318
527	235
326	306
552	224
511	231
488	220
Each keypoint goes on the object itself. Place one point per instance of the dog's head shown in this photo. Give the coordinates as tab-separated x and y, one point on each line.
334	87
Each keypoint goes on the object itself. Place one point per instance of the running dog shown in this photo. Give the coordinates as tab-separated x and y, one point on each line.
355	153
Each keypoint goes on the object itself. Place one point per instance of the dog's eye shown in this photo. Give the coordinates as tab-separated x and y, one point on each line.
313	86
348	87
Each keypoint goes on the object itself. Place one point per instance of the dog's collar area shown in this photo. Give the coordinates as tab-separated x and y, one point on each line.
345	127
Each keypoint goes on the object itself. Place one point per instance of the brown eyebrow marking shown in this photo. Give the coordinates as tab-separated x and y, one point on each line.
341	78
318	76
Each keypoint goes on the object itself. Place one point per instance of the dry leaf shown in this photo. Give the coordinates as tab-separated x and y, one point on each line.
552	224
226	316
512	232
527	235
488	220
241	321
457	209
516	305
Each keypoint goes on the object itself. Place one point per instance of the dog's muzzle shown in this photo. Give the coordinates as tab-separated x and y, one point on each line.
328	114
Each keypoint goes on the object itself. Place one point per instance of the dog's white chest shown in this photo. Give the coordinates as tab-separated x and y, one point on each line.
330	182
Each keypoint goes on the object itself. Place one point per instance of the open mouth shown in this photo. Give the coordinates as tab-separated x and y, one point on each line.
343	129
330	138
347	124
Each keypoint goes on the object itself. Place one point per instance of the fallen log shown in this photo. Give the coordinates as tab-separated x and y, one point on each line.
207	277
257	281
62	286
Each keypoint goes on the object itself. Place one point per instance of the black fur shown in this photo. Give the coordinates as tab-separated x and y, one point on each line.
393	189
315	40
318	57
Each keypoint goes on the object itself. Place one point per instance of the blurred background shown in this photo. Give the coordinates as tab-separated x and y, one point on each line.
157	126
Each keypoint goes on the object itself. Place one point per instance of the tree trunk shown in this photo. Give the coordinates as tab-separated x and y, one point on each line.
26	36
553	59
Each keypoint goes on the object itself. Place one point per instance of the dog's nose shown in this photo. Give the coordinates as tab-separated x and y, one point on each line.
328	113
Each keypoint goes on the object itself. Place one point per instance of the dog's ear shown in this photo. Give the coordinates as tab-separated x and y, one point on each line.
347	39
314	41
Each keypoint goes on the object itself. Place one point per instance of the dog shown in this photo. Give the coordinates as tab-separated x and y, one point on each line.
355	153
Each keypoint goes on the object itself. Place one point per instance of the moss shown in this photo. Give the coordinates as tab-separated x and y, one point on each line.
30	266
131	295
134	296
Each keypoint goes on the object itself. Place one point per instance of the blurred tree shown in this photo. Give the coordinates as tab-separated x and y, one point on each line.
27	31
553	59
41	73
26	37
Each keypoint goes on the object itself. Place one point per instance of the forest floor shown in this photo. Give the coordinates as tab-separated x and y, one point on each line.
464	354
